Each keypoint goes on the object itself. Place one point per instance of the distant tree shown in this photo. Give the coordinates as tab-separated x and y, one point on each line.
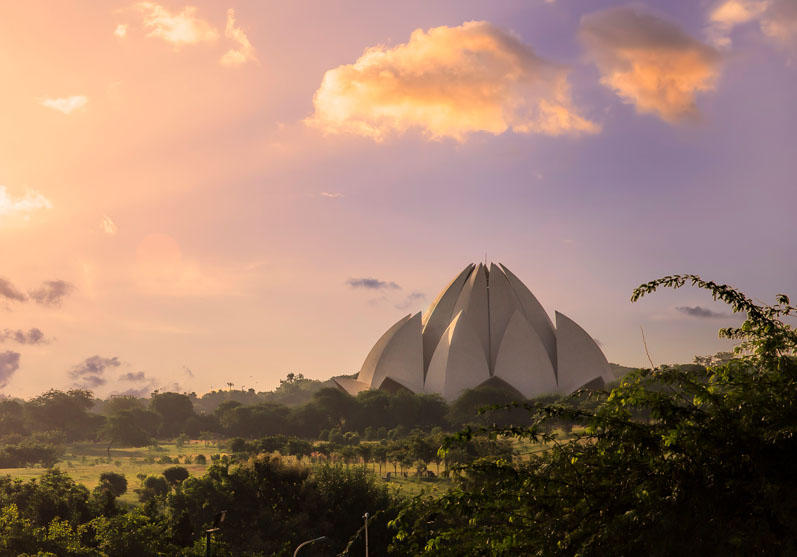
152	487
174	409
175	474
466	408
239	445
120	403
334	405
116	483
12	418
133	427
67	412
299	448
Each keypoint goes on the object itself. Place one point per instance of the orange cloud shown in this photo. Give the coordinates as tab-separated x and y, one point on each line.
777	19
650	62
448	82
728	14
31	201
108	226
67	105
183	28
244	51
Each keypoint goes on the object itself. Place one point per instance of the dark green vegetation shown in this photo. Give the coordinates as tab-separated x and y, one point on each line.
695	459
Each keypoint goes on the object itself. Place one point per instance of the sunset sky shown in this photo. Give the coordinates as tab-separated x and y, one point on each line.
195	194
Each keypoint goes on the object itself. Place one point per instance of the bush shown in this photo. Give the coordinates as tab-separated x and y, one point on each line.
152	487
175	474
116	483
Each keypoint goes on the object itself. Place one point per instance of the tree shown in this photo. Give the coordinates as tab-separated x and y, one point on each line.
152	487
175	474
134	427
675	460
466	409
120	403
116	483
67	412
174	409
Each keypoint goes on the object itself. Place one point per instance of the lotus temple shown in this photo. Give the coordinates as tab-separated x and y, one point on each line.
486	327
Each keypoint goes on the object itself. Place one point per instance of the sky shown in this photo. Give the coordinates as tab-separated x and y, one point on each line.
207	193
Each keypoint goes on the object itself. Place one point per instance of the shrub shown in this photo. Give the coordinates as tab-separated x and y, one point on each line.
175	474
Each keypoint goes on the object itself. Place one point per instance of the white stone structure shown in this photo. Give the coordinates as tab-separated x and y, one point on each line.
484	325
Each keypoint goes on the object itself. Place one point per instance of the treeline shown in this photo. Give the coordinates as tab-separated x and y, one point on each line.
32	432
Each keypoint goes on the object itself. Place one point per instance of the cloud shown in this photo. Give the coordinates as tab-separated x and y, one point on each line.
331	195
51	292
187	371
700	312
372	284
779	23
67	105
777	20
448	82
133	376
31	201
179	29
120	31
412	299
650	62
10	292
244	51
728	14
89	373
9	364
108	226
32	336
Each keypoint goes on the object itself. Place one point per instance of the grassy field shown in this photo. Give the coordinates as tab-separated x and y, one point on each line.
84	462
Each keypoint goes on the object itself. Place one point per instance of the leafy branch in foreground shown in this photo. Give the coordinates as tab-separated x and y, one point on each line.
763	334
681	459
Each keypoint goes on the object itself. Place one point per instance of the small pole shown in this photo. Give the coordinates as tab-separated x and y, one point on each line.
217	520
365	516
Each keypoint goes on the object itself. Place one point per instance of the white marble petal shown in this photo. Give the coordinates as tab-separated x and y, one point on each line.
580	359
503	304
366	374
440	313
523	361
474	306
535	314
351	386
402	358
458	363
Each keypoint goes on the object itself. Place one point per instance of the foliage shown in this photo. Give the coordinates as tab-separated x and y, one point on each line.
152	487
67	412
30	451
677	460
175	474
41	500
174	409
